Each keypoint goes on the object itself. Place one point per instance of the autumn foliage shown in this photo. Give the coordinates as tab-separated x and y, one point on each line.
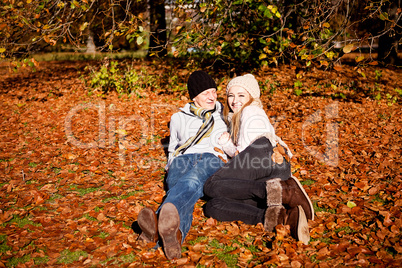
76	168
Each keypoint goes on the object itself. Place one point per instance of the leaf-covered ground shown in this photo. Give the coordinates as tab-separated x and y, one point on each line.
76	168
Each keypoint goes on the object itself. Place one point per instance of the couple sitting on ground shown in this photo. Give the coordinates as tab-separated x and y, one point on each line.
256	184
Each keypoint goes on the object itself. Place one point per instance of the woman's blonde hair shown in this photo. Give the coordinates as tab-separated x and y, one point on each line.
234	122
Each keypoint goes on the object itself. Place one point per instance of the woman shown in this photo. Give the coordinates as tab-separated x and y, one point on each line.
256	185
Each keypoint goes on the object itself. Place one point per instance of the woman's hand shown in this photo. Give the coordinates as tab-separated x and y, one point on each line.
224	138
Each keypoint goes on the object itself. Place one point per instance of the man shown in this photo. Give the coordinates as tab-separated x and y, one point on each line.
194	133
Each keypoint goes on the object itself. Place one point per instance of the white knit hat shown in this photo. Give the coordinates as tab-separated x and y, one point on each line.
248	82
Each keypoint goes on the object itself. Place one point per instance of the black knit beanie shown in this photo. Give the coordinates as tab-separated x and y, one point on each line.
198	82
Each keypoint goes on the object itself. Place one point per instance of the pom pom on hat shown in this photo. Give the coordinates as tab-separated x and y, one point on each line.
248	82
198	82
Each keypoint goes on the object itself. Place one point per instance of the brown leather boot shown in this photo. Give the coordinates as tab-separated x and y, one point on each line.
148	223
168	225
294	217
293	194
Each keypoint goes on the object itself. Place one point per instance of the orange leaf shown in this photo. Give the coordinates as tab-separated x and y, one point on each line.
374	190
281	231
338	68
211	222
101	217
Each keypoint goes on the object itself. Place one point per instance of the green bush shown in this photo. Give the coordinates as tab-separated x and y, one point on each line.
122	79
243	33
107	78
249	33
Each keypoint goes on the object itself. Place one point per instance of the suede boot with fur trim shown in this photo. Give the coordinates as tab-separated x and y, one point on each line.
293	194
273	189
289	193
294	217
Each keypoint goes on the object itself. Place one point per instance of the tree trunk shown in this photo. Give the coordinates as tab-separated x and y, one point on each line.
388	43
158	36
388	49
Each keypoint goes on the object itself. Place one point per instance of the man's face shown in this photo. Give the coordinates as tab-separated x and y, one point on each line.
206	99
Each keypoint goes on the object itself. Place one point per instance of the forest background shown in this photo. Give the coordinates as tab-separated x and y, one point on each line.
87	89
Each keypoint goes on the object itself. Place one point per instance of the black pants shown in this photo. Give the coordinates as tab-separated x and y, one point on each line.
237	190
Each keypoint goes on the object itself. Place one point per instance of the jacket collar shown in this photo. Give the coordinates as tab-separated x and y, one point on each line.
186	108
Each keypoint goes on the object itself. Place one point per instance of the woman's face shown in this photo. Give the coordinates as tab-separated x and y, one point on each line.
206	99
237	97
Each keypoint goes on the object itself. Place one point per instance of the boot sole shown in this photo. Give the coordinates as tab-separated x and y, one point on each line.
147	222
168	225
303	233
305	195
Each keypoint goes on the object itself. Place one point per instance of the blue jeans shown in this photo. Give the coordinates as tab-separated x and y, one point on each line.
185	181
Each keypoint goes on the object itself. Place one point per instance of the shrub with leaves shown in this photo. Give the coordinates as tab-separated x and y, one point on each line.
107	78
138	81
124	81
251	33
238	32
